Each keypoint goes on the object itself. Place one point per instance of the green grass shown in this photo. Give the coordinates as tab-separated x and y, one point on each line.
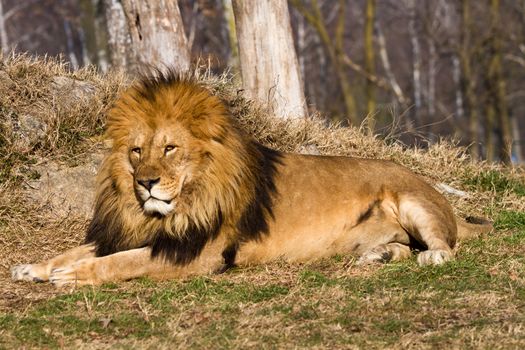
477	298
496	181
511	220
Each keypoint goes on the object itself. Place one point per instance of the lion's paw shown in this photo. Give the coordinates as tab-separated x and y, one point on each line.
378	255
78	274
434	257
28	272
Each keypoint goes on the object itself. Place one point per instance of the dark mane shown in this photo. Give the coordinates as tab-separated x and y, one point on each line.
105	229
253	224
183	250
149	84
256	169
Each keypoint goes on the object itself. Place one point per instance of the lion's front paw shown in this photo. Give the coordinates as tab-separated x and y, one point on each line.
27	272
434	257
78	274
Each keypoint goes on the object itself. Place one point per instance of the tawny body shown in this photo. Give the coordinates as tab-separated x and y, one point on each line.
185	192
349	206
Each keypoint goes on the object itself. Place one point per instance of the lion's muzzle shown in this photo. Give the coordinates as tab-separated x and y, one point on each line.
155	200
148	183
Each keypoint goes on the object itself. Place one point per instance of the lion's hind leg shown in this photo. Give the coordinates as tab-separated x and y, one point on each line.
384	253
431	223
41	272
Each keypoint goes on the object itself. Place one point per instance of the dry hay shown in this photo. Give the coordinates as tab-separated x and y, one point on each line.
48	111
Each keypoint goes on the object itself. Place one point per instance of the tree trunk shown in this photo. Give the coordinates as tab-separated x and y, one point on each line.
334	49
301	47
70	45
269	67
233	59
370	63
432	72
517	138
157	34
456	76
497	85
489	130
101	36
118	35
4	41
385	60
88	32
467	80
416	60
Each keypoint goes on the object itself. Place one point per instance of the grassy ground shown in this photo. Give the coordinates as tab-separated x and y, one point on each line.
477	301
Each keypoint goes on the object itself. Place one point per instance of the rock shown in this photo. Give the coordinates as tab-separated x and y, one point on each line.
28	131
25	131
66	191
71	91
6	83
309	149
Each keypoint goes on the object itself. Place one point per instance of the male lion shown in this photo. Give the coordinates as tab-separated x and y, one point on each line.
184	191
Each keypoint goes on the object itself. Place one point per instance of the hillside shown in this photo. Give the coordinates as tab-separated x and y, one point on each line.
51	141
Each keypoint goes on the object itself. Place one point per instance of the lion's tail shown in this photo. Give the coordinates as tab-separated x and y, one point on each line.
471	227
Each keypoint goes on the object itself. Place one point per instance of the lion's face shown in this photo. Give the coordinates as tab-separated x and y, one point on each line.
177	155
163	161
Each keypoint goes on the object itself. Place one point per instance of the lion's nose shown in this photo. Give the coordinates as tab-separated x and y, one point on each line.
148	183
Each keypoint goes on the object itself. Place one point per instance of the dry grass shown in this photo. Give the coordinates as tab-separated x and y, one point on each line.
67	107
476	302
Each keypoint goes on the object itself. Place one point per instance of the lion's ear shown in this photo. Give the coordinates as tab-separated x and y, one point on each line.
210	127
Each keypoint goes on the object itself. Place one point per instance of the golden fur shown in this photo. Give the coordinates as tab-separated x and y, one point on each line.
184	191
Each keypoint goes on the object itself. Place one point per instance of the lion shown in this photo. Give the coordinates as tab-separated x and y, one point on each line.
184	191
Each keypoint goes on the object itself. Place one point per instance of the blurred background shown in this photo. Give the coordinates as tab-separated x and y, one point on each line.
420	69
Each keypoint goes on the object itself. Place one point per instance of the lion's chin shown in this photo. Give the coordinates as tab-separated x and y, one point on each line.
155	207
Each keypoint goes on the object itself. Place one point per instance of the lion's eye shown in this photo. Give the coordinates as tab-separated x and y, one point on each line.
169	148
136	150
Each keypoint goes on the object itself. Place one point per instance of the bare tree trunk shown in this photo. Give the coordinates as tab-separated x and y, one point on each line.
517	139
88	32
157	34
101	36
339	58
301	30
416	60
192	26
432	71
370	63
269	67
489	130
70	46
456	76
233	59
383	54
118	35
4	40
322	73
334	49
497	85
467	80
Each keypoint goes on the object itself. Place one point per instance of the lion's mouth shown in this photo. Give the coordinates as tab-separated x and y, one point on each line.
154	205
167	201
